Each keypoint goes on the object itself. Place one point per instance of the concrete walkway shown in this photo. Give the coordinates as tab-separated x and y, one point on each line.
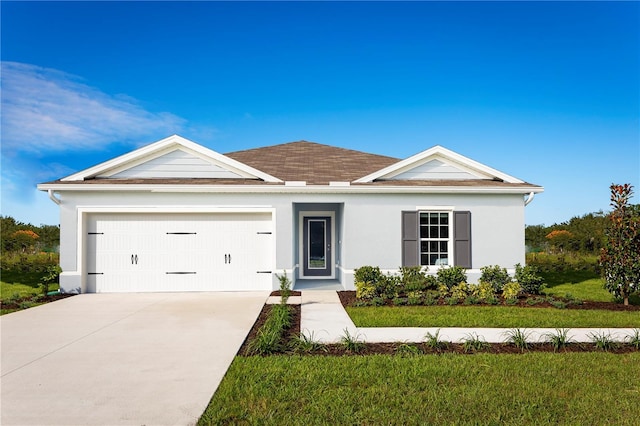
324	319
121	359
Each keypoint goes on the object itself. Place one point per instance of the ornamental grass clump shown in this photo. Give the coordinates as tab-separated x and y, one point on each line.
634	339
519	338
603	341
306	344
433	341
474	343
559	340
352	342
269	337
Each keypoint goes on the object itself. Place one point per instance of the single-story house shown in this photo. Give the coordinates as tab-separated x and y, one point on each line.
177	216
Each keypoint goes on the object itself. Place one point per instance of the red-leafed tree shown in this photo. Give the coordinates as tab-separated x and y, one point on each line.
620	258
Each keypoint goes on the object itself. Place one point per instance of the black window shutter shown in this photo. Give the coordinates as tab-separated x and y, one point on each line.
410	239
462	239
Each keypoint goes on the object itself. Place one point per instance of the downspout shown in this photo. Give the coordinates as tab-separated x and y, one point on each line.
57	200
529	198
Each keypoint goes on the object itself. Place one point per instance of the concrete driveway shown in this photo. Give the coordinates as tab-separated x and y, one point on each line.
121	359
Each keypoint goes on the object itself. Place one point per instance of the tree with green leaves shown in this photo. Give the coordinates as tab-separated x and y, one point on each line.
620	258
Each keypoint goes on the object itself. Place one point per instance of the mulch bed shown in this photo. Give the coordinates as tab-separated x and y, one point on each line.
293	331
348	298
16	304
291	293
400	349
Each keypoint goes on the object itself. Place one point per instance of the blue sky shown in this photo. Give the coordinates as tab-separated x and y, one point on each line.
546	91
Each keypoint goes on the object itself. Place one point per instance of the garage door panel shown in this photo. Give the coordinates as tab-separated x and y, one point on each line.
178	252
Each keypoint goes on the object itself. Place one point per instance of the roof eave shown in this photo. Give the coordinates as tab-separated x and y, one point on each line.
354	189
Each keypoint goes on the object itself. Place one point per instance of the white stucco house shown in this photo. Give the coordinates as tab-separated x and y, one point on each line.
176	216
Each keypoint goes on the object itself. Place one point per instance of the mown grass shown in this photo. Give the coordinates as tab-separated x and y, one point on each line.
23	285
532	388
581	284
489	316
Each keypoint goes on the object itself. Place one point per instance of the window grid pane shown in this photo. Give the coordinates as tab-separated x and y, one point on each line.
434	238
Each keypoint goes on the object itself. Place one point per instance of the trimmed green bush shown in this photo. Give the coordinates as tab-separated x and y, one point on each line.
529	279
496	276
451	276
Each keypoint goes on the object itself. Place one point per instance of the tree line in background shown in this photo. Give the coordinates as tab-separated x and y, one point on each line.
583	234
26	238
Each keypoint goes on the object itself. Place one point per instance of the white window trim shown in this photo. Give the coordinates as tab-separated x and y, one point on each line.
451	254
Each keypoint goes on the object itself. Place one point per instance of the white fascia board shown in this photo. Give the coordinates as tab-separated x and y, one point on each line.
440	153
161	147
319	189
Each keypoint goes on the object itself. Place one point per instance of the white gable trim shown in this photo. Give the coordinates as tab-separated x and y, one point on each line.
168	150
163	147
442	154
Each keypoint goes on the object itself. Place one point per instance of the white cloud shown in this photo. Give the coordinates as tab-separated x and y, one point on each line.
48	110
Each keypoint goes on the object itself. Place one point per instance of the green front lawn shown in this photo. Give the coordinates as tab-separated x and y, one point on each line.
585	285
489	316
533	388
23	286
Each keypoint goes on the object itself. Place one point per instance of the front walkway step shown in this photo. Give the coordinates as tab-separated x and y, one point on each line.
323	317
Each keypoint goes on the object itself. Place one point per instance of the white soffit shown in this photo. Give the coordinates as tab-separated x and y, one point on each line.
449	160
228	167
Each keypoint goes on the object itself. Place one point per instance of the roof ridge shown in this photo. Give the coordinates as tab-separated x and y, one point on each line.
303	141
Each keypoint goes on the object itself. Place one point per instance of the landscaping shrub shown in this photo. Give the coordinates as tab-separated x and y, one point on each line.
367	279
484	290
451	276
511	291
368	274
414	298
51	276
389	286
415	278
285	287
529	279
365	290
460	291
496	276
443	291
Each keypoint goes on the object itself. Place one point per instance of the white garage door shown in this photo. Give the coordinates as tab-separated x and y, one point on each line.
179	252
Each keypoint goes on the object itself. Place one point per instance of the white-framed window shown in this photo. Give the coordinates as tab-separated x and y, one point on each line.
435	238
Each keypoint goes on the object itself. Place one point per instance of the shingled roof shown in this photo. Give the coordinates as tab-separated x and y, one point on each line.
271	167
314	163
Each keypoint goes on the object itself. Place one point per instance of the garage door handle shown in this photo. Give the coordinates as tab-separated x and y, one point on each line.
134	259
263	272
229	259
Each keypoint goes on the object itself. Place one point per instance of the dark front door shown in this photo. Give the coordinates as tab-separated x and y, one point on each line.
317	246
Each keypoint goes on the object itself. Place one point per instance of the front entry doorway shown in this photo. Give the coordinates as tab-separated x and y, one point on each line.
317	251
